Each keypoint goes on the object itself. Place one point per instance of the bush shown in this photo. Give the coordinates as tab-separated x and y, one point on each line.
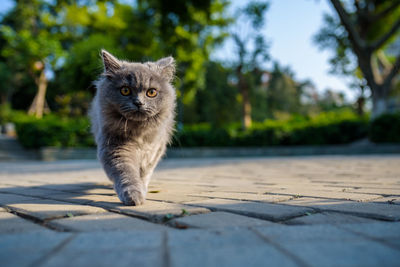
53	131
325	128
201	135
385	129
342	132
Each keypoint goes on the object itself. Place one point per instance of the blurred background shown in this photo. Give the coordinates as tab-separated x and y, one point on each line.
249	73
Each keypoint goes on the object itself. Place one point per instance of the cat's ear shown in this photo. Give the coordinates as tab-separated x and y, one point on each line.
111	63
167	67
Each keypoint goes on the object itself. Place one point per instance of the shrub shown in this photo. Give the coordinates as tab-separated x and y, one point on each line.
326	128
341	132
201	135
385	129
53	131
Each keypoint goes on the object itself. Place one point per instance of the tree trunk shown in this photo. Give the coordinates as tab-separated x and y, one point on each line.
360	105
38	105
379	107
379	101
246	105
380	86
246	108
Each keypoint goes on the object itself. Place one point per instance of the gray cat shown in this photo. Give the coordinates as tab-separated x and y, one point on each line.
132	119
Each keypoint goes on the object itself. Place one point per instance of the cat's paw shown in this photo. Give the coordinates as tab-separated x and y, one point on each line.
130	196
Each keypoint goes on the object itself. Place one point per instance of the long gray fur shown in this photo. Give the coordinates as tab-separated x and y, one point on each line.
132	132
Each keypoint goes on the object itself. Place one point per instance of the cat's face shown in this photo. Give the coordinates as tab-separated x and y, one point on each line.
137	91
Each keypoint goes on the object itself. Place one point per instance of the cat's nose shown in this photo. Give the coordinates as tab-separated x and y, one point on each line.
137	103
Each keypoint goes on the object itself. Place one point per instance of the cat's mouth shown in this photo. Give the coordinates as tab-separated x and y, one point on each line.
137	115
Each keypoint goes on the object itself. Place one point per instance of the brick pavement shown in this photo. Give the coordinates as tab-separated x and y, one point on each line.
286	211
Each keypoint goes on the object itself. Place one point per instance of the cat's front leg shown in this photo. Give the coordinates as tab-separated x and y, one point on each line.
124	172
131	194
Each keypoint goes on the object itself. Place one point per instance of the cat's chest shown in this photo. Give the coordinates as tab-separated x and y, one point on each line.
149	143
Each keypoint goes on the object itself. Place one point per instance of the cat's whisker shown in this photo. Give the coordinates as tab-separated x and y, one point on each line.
120	120
126	123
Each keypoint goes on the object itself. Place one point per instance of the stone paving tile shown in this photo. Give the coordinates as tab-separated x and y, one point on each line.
307	191
369	209
389	200
26	249
10	223
102	200
185	188
72	198
18	181
380	191
353	184
106	221
30	191
328	218
273	212
339	253
385	231
49	209
232	188
305	233
99	191
157	211
198	248
173	197
93	189
123	248
217	220
326	245
68	187
6	199
244	196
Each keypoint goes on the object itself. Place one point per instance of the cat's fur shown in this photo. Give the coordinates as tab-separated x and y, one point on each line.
131	137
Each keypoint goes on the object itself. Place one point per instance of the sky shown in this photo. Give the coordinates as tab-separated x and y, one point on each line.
290	26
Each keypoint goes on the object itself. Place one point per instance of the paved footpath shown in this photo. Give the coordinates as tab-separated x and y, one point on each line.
286	211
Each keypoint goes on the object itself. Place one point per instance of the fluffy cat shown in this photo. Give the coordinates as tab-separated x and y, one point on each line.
132	116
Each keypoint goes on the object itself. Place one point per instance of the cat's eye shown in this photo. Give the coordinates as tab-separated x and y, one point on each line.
125	91
152	92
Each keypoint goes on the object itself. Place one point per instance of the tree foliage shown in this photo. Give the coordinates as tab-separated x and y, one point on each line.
49	50
31	48
66	36
361	33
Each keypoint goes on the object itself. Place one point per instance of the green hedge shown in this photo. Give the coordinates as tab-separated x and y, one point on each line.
326	128
53	131
385	129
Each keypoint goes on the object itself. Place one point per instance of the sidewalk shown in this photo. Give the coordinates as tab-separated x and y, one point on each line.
282	211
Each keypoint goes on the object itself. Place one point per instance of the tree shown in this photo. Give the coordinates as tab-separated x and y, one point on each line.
217	102
284	93
63	38
31	48
364	31
251	49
